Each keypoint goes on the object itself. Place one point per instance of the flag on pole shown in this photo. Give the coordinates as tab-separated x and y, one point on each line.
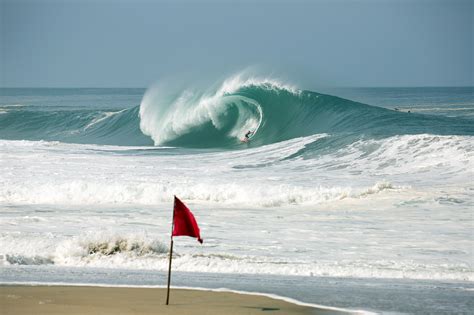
184	222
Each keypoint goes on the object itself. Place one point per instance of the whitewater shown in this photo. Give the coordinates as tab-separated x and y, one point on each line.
328	187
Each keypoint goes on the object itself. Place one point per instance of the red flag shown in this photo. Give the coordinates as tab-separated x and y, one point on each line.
184	222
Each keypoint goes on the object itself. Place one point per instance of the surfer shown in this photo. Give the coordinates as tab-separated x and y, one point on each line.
247	135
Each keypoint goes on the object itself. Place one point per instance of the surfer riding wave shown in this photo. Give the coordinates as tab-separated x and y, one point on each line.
247	136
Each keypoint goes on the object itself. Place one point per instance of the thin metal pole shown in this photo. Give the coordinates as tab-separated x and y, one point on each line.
169	273
171	255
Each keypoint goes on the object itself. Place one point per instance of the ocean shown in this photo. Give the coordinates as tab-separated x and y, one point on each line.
359	198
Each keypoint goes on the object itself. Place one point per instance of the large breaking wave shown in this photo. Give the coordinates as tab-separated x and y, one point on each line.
218	116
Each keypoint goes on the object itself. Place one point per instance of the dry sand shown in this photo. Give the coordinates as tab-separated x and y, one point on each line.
105	300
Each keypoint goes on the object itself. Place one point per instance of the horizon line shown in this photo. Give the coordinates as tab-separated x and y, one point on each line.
337	87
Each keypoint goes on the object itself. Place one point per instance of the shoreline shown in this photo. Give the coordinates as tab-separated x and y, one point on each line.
107	299
353	295
190	288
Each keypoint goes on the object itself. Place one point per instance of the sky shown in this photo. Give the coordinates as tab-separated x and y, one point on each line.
105	43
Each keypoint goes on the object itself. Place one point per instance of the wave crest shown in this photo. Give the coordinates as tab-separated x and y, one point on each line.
86	248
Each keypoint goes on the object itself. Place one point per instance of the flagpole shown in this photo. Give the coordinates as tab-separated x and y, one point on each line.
171	255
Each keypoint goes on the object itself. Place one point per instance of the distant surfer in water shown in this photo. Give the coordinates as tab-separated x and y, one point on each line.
247	136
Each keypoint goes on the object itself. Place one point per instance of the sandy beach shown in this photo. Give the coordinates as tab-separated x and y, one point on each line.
107	300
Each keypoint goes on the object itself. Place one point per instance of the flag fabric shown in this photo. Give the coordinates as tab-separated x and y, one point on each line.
184	222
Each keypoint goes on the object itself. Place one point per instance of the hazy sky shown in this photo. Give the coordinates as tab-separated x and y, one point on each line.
333	43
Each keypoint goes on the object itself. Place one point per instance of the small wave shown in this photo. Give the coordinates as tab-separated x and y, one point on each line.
4	109
438	109
104	116
74	126
78	256
89	193
378	187
25	260
403	154
90	247
11	106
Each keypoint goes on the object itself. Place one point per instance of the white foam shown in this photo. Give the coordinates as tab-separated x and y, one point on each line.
140	250
243	79
79	192
332	214
101	245
86	179
87	251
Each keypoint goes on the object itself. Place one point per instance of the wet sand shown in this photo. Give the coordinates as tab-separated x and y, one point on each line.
107	300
